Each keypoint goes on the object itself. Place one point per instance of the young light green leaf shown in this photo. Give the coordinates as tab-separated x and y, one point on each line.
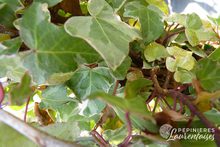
151	21
59	78
182	59
161	4
216	21
155	51
103	30
195	31
86	80
196	36
55	51
207	72
183	76
193	21
205	34
178	18
192	37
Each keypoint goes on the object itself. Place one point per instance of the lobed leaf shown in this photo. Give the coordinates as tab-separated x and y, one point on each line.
151	21
207	72
53	50
86	81
104	31
155	51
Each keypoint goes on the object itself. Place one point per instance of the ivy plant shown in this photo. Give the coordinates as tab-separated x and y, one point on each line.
106	73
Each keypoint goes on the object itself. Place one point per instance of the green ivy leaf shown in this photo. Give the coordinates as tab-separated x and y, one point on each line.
115	136
215	55
103	30
193	21
53	49
55	96
213	116
116	4
151	21
11	46
93	107
207	72
198	51
68	131
121	71
68	111
86	80
137	87
39	76
14	69
155	51
20	92
13	4
138	122
135	105
7	15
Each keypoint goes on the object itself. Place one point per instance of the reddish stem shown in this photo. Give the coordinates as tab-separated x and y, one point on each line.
181	107
26	109
174	103
129	127
151	97
155	105
100	139
168	105
190	120
115	88
185	100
